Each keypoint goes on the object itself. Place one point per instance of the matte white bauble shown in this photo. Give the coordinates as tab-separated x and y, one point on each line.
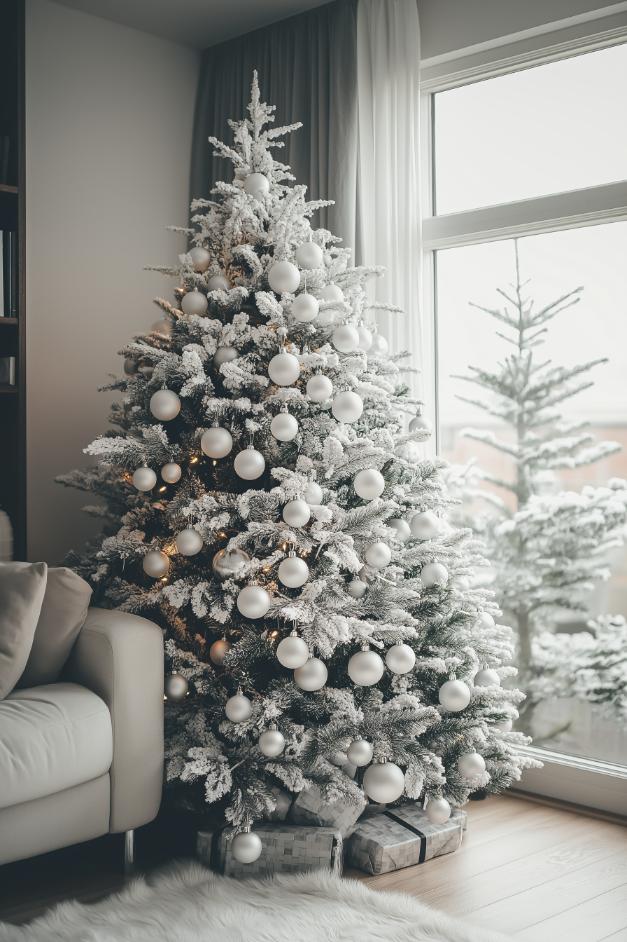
313	494
345	338
216	442
319	387
312	675
246	847
365	338
369	484
365	668
292	652
434	574
401	528
156	564
471	765
296	513
284	369
454	695
347	406
379	345
144	479
227	563
293	572
165	405
359	752
378	555
218	283
283	276
224	355
438	810
194	303
400	658
305	308
218	651
176	687
331	293
384	782
485	621
309	255
487	678
238	708
253	601
271	743
201	259
257	185
188	542
419	424
357	588
425	525
171	472
284	427
249	464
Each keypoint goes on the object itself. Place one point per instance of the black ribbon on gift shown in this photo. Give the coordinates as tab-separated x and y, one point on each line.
410	827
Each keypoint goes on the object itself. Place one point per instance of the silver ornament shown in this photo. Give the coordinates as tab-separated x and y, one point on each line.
402	530
471	765
345	338
400	658
296	513
271	743
176	687
369	484
357	588
165	405
144	479
331	293
378	555
438	810
249	464
253	601
283	277
218	283
487	678
365	338
194	302
305	308
292	652
309	255
284	427
246	847
433	574
216	442
284	369
293	572
188	542
238	708
347	406
224	355
384	782
319	388
156	564
171	472
227	563
312	675
419	424
201	259
365	668
257	185
425	525
454	695
218	651
360	752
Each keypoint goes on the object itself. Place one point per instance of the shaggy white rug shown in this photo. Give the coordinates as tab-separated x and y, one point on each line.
188	903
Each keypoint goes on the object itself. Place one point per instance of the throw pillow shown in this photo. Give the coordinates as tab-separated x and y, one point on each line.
22	588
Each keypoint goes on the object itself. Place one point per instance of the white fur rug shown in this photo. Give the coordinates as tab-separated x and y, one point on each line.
187	903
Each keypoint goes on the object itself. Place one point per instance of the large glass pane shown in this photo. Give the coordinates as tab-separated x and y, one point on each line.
573	659
549	129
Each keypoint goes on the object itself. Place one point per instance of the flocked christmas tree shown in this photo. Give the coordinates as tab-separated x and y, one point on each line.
265	504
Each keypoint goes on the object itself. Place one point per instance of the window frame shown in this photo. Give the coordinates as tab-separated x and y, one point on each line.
586	782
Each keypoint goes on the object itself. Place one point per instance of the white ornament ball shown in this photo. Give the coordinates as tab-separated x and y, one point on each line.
246	847
194	302
219	650
419	424
156	564
347	406
249	464
312	675
471	765
216	442
359	752
331	293
434	574
438	810
487	678
284	369
400	658
218	283
319	387
227	563
309	255
188	542
379	345
369	484
284	427
293	572
296	513
165	405
485	621
305	308
345	338
313	494
401	528
201	259
238	708
271	743
292	652
171	472
365	668
425	525
365	338
224	355
283	277
176	687
144	479
257	185
357	588
378	555
384	782
253	601
454	695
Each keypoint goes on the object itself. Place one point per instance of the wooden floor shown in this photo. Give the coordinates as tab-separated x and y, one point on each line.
536	873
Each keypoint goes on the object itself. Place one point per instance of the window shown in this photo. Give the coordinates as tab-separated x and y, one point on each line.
527	190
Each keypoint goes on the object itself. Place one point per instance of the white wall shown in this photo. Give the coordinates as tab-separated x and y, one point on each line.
109	115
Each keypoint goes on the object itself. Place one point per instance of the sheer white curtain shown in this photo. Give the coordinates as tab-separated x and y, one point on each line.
388	180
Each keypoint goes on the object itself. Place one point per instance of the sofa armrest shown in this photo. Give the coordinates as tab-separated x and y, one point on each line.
120	657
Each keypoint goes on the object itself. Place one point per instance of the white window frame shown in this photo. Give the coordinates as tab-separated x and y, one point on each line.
585	782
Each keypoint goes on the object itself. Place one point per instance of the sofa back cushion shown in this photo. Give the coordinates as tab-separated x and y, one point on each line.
22	588
62	616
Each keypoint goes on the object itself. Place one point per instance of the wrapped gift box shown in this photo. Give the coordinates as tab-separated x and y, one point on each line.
401	837
310	807
286	849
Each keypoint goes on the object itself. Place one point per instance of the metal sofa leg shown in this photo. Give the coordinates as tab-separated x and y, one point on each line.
129	851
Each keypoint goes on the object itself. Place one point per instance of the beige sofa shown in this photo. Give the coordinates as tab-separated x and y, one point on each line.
84	757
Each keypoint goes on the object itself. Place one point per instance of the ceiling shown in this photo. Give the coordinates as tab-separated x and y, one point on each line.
197	23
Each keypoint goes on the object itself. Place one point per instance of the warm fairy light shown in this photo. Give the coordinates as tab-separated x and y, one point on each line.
274	634
162	489
194	459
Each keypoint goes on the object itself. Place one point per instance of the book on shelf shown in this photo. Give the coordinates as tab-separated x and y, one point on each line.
8	371
9	273
5	154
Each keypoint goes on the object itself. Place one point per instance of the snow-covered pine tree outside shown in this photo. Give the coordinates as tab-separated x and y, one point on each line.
286	427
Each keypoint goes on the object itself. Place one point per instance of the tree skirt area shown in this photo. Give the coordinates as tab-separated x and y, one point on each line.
187	903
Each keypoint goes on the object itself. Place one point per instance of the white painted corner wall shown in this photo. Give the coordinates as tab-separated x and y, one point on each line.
109	115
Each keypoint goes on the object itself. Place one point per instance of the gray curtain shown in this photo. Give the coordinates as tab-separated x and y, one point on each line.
307	67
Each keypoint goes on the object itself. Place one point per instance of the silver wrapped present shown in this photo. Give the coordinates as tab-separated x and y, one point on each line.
286	849
310	807
401	837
